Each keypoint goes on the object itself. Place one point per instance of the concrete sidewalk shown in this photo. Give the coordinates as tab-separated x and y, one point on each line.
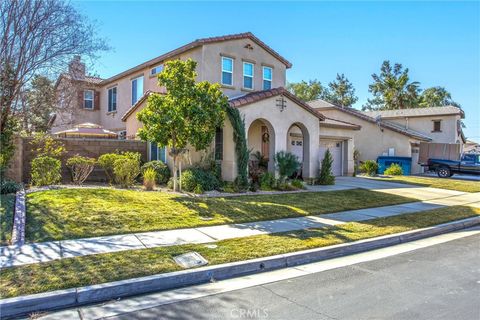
47	251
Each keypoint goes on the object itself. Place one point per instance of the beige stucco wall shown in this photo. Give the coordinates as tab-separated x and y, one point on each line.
281	121
211	65
448	126
346	137
373	141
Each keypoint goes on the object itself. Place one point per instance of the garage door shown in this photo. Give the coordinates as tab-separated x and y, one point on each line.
335	148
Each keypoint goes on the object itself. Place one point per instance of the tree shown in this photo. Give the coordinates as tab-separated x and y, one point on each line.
308	91
342	91
188	114
392	89
39	104
326	177
38	37
436	97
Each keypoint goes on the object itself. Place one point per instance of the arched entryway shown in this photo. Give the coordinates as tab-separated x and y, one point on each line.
261	138
298	142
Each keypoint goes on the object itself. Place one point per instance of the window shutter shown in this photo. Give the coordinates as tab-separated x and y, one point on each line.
80	99
96	100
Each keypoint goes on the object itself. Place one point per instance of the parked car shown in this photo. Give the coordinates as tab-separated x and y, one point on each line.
468	164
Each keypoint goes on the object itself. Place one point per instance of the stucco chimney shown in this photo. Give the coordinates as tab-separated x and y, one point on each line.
76	68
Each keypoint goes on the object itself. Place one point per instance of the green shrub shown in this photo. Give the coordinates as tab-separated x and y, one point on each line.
198	189
170	183
369	167
267	181
9	186
80	167
197	176
149	178
394	170
298	184
126	170
46	171
161	170
44	145
287	164
107	162
326	177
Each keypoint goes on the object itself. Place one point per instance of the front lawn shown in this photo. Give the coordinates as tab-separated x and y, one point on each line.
7	202
434	182
83	213
101	268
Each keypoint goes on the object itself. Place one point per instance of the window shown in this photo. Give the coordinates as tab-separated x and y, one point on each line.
227	71
437	126
88	99
156	70
137	89
157	153
219	144
248	75
267	78
112	99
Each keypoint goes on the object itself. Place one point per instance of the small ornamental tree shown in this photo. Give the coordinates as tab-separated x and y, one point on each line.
326	177
187	115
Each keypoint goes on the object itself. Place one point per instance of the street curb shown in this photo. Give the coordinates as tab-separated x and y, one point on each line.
14	307
18	232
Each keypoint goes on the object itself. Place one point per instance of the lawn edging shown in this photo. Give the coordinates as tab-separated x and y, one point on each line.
19	219
18	306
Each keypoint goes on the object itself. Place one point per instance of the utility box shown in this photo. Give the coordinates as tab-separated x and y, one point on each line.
444	151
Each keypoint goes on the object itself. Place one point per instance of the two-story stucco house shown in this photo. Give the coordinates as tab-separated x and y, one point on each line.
252	75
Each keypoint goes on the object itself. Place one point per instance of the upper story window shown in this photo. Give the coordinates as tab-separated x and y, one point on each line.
267	78
248	75
137	89
112	99
88	99
437	126
227	71
156	70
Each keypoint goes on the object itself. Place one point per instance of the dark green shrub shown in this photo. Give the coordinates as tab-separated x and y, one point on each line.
80	167
46	171
326	177
126	170
9	186
161	169
369	167
287	164
267	181
197	176
394	170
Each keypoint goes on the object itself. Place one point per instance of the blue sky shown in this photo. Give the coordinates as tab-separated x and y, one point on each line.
438	41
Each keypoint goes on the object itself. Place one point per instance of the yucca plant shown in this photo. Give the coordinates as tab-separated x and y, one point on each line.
149	178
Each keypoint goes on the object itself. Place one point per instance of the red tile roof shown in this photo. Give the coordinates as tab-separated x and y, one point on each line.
265	94
195	44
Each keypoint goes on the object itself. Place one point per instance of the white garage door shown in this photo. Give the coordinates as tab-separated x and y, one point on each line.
335	148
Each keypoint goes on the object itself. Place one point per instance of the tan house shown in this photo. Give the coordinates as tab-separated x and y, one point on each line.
398	132
253	76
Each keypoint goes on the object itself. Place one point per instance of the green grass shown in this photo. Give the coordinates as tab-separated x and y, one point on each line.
95	269
83	213
7	202
435	182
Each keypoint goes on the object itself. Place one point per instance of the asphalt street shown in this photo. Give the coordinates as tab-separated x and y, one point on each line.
438	282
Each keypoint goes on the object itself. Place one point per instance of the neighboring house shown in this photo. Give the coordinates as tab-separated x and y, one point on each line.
253	76
398	132
471	147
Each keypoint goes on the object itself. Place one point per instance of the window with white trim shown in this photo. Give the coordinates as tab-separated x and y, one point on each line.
267	78
88	99
137	89
248	75
157	153
227	71
112	99
156	70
